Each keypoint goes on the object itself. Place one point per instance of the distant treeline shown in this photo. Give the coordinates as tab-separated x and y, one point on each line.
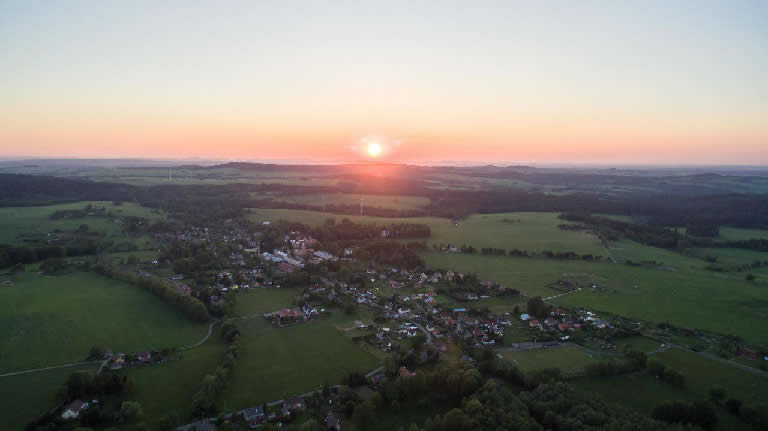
684	206
11	255
490	251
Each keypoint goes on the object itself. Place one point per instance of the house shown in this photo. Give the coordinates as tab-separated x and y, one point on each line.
182	288
177	277
458	312
254	416
294	404
144	357
285	267
332	422
289	313
324	255
403	372
73	409
525	317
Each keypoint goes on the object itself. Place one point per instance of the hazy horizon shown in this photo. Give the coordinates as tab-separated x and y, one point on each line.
636	83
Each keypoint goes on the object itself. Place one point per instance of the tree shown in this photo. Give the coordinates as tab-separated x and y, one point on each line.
733	406
750	277
363	415
717	394
130	411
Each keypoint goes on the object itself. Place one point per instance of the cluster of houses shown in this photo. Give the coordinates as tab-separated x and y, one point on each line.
119	360
256	416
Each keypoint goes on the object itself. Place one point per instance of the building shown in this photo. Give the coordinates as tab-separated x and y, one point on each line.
254	416
73	409
332	422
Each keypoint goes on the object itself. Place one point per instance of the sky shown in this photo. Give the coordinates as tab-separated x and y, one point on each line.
681	82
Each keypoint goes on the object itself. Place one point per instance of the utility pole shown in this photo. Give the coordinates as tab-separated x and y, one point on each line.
170	174
361	206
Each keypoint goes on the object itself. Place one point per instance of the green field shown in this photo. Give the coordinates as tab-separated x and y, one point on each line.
639	343
47	321
526	231
571	359
279	362
35	222
266	300
642	392
702	373
692	299
381	201
28	396
168	389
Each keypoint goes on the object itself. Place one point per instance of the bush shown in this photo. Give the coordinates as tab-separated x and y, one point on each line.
698	413
733	406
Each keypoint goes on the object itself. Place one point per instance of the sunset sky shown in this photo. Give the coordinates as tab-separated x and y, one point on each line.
571	81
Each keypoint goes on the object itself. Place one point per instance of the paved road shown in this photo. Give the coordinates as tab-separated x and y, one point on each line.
429	336
207	336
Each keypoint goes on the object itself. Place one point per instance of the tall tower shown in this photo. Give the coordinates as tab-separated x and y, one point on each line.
361	206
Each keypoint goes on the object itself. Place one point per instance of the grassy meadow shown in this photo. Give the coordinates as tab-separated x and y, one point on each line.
55	320
571	359
168	389
279	362
26	397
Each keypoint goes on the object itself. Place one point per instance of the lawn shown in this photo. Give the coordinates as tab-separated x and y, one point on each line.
264	300
687	298
167	389
525	231
28	396
279	362
569	359
55	320
36	221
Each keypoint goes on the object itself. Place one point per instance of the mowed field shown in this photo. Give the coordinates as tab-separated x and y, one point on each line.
525	231
19	223
693	299
27	396
279	362
55	320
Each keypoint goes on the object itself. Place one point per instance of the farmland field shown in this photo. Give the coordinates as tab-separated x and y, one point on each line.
526	231
48	320
26	222
279	362
687	299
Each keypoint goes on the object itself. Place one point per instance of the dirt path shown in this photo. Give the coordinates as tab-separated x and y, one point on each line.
17	373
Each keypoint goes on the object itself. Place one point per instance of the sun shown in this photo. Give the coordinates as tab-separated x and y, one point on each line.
374	150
